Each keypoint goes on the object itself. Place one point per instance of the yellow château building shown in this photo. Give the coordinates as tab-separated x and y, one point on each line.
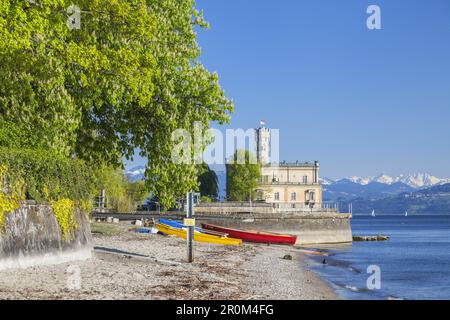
287	184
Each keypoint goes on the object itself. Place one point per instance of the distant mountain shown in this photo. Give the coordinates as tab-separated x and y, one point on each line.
135	173
359	180
416	193
378	187
433	200
421	180
326	181
414	180
345	190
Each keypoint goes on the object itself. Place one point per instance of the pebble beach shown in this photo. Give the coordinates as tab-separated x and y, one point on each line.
126	265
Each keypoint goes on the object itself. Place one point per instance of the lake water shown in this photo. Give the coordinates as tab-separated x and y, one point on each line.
414	264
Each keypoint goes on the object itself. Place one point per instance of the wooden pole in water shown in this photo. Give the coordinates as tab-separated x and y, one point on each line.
191	225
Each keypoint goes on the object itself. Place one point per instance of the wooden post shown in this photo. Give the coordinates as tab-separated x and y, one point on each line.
103	199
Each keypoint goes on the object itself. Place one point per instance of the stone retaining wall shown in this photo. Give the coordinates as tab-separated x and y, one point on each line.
33	236
311	230
316	227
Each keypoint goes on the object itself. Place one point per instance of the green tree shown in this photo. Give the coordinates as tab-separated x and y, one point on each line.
119	195
18	136
126	79
243	173
139	191
208	184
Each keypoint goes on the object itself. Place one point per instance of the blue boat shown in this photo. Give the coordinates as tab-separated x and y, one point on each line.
172	223
143	230
179	225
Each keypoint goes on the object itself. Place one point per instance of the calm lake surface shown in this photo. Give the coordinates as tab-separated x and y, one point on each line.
414	264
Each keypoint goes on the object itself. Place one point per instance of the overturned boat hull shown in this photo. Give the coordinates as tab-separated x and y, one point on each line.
254	235
198	236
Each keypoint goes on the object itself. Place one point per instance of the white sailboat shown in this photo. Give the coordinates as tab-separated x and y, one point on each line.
406	213
373	213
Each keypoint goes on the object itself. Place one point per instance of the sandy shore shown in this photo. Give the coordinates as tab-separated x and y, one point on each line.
246	272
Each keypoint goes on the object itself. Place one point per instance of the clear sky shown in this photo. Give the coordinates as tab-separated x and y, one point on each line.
360	101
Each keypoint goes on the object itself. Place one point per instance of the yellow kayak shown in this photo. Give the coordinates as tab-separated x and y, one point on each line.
198	236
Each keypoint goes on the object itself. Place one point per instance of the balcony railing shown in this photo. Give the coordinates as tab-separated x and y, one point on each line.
329	207
271	183
307	206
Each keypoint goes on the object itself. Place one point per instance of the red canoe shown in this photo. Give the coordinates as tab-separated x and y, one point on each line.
253	235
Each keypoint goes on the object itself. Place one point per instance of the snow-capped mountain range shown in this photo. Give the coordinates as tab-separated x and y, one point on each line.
416	192
414	180
136	173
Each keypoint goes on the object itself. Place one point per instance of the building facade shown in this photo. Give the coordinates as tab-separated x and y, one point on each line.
294	184
290	183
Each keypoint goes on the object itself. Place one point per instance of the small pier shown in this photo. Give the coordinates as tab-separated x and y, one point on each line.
371	238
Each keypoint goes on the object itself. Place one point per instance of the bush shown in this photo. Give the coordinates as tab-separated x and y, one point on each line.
15	136
122	195
46	177
206	199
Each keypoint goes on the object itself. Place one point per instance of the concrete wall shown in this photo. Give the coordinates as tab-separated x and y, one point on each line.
316	228
308	230
319	227
33	237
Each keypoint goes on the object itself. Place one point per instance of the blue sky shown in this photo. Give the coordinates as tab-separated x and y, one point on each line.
360	101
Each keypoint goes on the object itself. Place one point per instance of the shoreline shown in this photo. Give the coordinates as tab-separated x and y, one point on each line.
290	279
159	272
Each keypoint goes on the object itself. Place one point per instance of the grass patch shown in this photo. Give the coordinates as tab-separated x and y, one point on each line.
108	229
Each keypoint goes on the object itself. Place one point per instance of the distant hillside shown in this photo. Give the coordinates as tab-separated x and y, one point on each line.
414	180
434	200
136	173
346	190
382	194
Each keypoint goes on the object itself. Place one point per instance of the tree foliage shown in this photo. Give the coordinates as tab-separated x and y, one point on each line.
44	177
242	178
122	195
208	184
139	192
124	81
18	136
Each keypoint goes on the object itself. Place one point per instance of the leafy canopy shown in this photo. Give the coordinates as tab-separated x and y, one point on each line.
208	183
124	81
242	176
44	176
122	195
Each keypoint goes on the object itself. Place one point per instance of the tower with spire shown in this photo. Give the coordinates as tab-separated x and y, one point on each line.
295	184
